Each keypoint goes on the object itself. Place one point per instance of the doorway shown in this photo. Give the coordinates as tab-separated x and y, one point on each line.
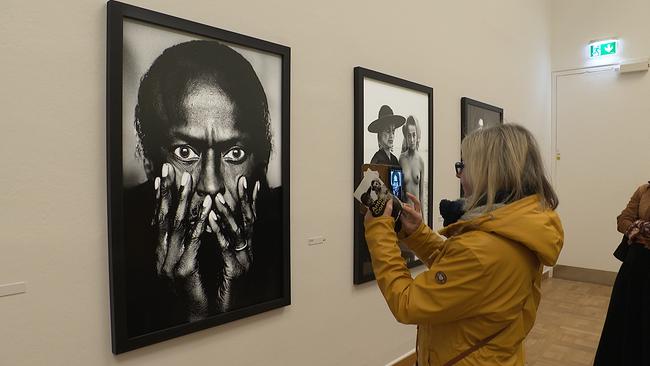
601	132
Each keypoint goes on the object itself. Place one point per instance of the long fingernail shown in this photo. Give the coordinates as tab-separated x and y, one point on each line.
220	198
185	179
206	201
165	170
213	216
245	183
156	183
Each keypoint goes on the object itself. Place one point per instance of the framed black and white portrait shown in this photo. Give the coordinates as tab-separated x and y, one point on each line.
198	176
475	115
393	125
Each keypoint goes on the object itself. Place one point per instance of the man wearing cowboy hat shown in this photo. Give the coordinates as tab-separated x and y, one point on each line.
384	127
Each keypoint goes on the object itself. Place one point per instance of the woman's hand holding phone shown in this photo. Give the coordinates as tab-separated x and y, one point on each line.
411	217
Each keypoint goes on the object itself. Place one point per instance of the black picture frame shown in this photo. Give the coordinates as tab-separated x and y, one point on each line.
362	265
467	106
117	13
470	107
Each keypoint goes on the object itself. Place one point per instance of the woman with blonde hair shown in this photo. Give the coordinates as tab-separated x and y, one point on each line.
478	299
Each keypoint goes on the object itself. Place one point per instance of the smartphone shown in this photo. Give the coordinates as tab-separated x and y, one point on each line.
396	179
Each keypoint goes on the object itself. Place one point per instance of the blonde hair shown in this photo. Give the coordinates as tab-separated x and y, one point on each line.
505	160
411	121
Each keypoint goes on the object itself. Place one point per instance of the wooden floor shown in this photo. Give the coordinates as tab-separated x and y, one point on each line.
569	321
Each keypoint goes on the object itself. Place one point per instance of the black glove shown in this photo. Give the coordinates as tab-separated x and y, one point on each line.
451	211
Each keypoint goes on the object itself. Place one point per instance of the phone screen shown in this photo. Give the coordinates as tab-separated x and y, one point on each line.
396	177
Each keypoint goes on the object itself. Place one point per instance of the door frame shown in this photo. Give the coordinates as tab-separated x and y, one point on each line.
555	76
555	153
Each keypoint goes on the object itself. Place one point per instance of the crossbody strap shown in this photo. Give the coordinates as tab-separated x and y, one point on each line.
478	345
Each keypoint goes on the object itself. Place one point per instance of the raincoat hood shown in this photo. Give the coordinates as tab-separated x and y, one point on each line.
524	221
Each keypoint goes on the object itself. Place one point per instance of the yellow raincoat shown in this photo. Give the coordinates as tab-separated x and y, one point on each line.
483	280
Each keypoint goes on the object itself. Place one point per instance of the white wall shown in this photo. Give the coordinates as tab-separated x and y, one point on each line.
53	201
573	24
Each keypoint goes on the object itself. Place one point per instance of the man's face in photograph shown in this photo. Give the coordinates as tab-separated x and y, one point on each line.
386	137
207	141
375	186
202	110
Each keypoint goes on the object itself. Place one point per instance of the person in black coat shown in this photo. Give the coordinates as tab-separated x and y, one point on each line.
384	127
625	338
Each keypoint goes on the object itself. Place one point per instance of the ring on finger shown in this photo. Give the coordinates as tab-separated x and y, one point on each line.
241	247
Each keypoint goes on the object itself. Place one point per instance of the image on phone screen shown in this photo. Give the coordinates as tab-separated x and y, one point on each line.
396	180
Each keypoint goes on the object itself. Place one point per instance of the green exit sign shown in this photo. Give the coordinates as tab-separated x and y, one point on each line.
603	48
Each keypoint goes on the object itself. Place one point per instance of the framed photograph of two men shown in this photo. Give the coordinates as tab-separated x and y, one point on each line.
393	125
198	176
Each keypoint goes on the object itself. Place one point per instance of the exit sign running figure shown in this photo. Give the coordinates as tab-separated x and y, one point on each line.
603	48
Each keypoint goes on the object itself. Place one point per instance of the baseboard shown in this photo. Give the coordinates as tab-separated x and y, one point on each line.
584	275
407	359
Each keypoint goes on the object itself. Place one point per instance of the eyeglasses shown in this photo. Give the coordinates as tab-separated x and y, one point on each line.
459	166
